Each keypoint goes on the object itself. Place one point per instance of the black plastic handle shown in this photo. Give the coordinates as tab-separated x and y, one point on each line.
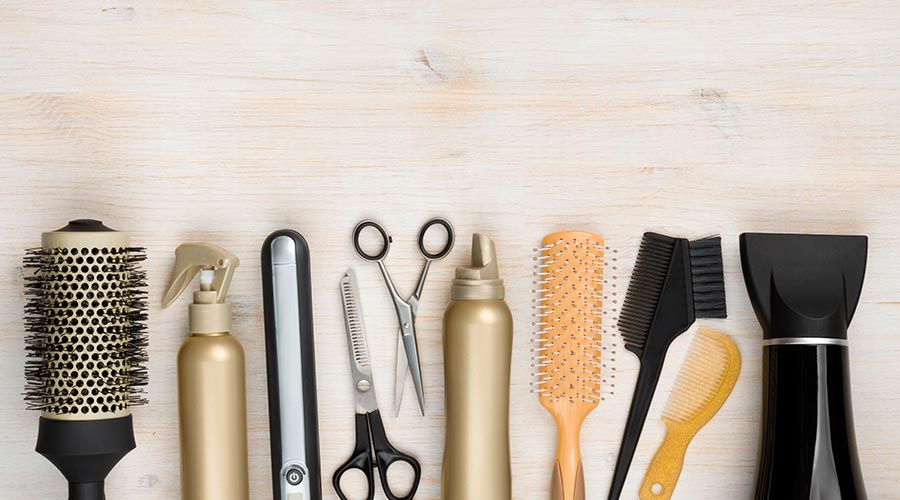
637	415
357	231
86	491
85	451
386	456
437	221
360	460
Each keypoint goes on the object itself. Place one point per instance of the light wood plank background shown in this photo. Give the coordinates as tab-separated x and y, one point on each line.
221	121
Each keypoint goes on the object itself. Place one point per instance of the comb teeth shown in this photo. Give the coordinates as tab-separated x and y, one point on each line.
700	378
573	353
646	284
708	278
87	337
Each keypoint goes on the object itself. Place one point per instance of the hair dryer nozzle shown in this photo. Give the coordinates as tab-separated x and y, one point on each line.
804	285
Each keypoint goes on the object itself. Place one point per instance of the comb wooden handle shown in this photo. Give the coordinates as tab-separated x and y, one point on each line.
568	475
665	468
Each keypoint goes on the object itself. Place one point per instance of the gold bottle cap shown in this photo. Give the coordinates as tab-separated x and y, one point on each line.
481	280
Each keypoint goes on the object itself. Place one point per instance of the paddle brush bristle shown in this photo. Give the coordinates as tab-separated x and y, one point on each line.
570	356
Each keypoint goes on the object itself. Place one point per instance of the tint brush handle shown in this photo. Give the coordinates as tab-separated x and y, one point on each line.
637	415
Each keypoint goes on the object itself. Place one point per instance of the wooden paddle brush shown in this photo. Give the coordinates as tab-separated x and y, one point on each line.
569	356
704	383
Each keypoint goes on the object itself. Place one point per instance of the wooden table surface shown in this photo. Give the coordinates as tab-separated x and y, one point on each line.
221	121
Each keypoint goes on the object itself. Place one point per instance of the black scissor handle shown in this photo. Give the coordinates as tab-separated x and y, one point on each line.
357	231
437	221
386	456
360	460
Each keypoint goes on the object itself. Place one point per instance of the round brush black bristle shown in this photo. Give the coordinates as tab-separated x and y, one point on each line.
87	338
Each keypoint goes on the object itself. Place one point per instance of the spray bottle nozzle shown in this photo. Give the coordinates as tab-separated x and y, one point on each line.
209	312
215	265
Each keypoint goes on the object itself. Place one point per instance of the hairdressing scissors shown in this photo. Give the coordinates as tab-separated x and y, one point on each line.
372	446
407	348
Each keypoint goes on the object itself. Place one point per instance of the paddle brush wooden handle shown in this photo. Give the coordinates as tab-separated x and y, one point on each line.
568	476
665	468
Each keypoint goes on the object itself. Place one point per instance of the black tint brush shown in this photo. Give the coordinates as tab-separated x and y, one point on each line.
674	282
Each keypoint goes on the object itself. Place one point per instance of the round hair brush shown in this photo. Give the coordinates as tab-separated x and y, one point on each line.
570	352
86	346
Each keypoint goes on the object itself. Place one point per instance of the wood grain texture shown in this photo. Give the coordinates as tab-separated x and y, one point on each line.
221	121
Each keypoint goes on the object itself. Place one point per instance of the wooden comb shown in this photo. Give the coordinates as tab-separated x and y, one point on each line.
704	383
569	355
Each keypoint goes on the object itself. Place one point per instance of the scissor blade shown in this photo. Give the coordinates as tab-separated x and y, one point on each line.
402	370
353	322
412	358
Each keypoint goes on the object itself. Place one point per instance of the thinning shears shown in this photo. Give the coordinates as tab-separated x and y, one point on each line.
372	446
407	347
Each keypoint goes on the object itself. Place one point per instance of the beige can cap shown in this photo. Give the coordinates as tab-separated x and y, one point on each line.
481	279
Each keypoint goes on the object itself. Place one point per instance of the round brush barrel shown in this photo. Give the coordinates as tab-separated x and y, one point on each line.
86	349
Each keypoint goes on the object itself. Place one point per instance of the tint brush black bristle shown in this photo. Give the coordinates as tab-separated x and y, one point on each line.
708	278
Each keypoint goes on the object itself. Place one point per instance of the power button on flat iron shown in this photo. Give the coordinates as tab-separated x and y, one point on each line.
294	476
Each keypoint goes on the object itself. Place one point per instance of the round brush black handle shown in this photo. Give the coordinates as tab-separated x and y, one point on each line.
86	491
640	406
85	451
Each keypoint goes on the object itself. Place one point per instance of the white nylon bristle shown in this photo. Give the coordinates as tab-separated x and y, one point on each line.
699	379
597	306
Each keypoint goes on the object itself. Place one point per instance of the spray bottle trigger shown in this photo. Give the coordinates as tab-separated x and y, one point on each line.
215	265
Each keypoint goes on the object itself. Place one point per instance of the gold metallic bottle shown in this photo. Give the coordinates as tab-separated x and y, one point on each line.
212	396
478	330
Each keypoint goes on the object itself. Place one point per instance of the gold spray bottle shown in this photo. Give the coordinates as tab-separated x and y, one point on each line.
212	396
478	334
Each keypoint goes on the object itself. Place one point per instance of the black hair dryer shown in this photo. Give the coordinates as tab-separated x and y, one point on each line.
805	289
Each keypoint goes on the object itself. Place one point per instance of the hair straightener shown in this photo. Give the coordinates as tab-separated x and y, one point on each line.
290	359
